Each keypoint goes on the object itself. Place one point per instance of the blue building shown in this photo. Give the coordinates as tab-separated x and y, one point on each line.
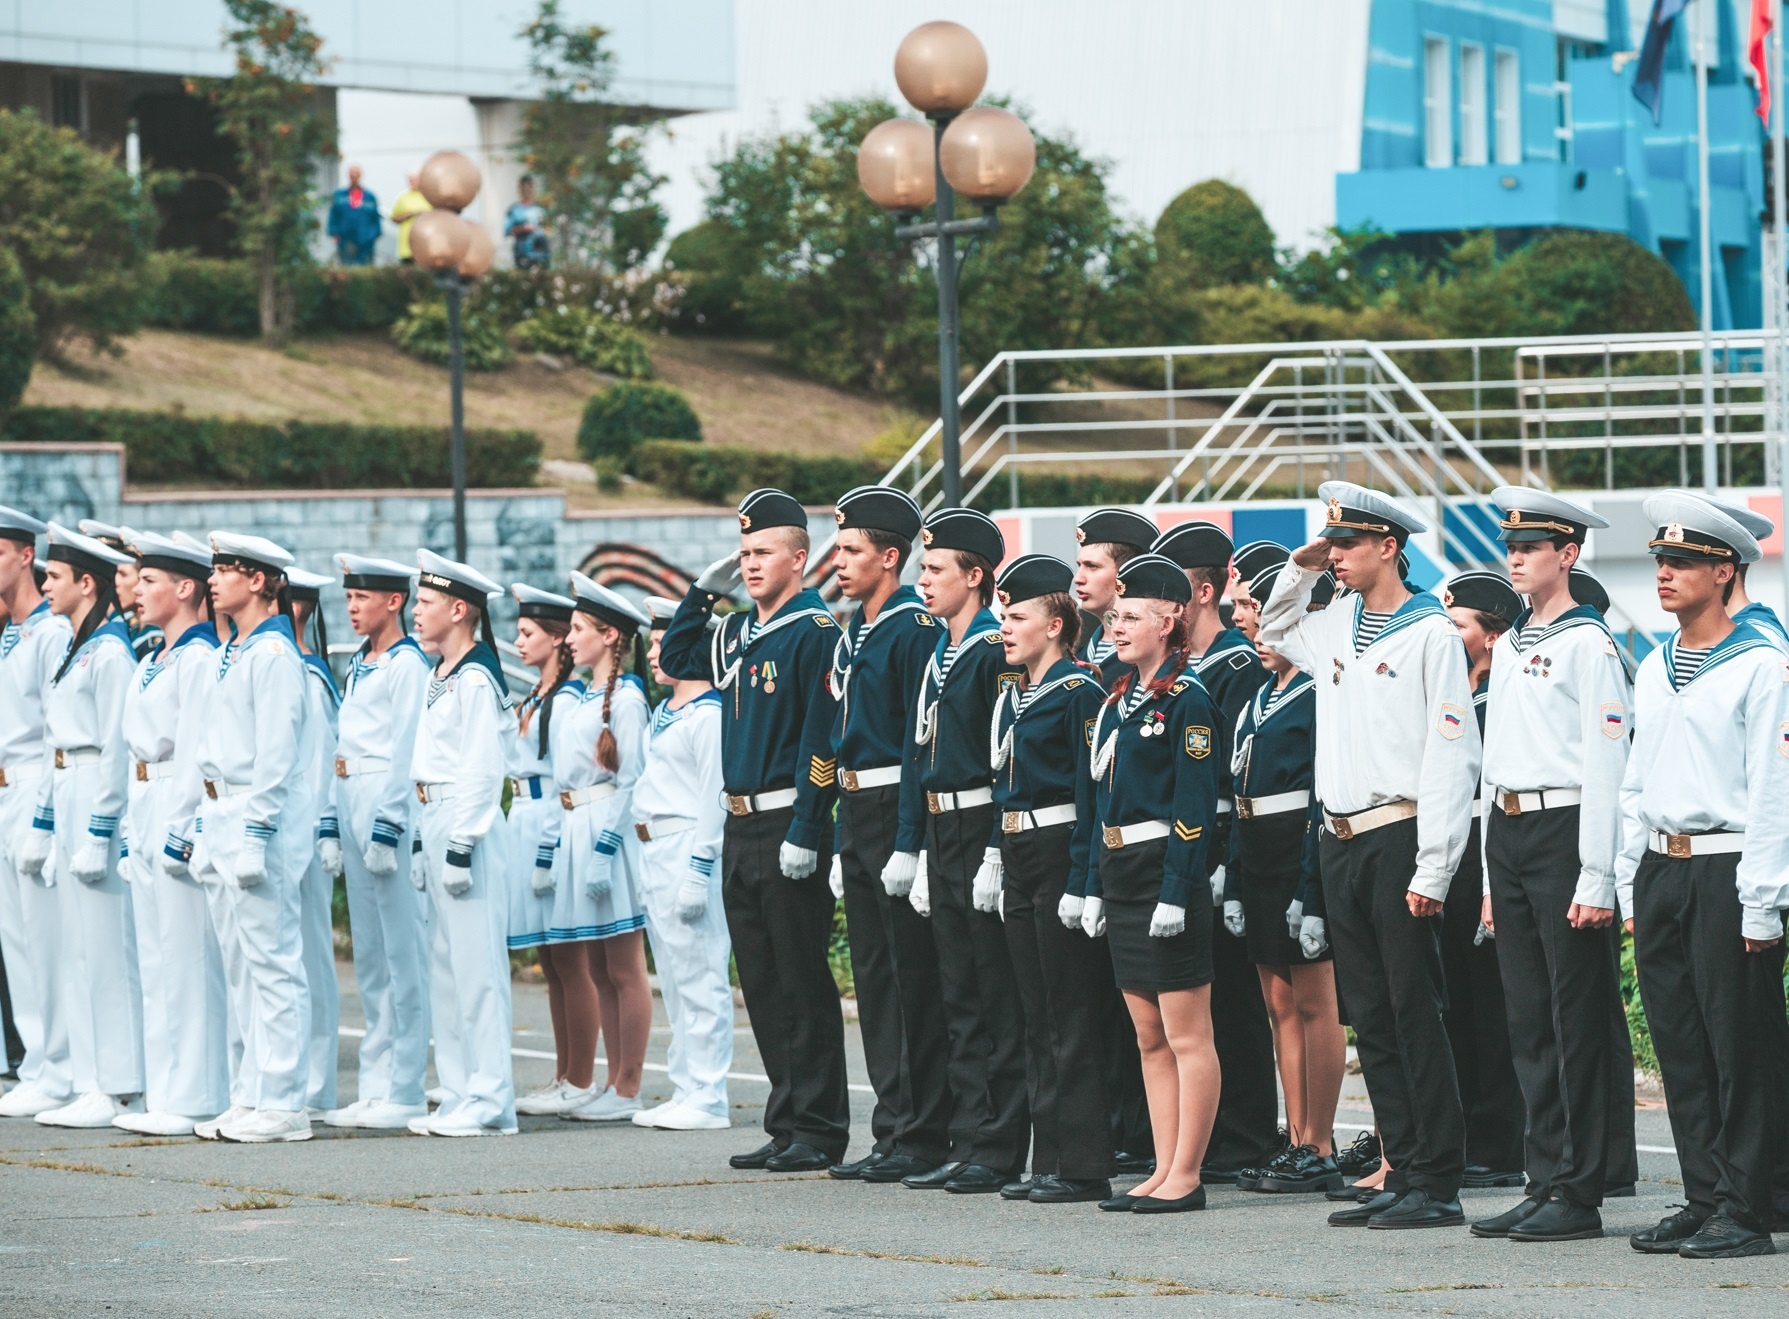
1519	116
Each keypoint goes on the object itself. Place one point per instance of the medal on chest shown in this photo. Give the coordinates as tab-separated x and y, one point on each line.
1155	724
1537	666
1336	677
765	673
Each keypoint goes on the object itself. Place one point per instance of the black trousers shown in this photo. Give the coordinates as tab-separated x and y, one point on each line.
781	928
1716	1013
12	1048
990	1123
1246	1131
895	967
1478	1024
1388	967
1058	972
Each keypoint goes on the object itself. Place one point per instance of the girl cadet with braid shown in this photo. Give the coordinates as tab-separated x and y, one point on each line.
596	940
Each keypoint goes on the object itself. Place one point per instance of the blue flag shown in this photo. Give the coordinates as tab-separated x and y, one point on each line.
1649	77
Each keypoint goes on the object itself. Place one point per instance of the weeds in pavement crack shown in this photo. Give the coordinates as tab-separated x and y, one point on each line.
253	1202
814	1248
58	1165
620	1227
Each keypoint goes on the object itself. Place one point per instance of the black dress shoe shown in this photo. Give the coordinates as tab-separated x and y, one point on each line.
1119	1204
1070	1190
1302	1171
1623	1191
757	1158
1021	1190
1722	1238
898	1167
1150	1204
934	1179
1669	1233
977	1179
1358	1194
799	1157
1358	1216
1497	1228
1559	1220
1478	1177
851	1172
1249	1179
1361	1157
1125	1161
1210	1174
1419	1209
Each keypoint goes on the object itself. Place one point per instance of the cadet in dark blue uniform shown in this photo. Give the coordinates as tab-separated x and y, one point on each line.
1247	1131
1154	762
1250	562
877	666
990	1127
1044	793
770	665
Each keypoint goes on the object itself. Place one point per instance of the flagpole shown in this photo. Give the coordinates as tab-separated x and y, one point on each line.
1710	473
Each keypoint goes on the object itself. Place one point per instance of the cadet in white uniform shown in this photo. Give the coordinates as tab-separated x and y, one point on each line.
1397	754
257	823
458	766
186	1065
375	804
1703	877
679	821
32	645
81	800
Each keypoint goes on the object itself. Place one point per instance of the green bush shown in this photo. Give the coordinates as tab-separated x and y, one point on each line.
720	474
1214	234
643	301
619	418
172	448
422	332
18	333
588	339
714	291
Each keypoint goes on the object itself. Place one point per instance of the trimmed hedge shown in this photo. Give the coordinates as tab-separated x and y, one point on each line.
617	420
171	448
423	333
589	340
719	474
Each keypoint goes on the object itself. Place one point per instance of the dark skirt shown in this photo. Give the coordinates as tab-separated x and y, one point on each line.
1131	880
1272	851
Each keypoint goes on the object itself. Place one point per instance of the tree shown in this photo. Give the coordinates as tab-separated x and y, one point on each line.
80	229
588	156
268	108
1211	235
18	334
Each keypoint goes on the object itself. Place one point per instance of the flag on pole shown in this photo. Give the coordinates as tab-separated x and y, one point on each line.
1762	22
1649	77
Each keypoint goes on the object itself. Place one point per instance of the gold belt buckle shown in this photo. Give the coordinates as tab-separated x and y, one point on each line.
642	831
3	782
142	771
1244	808
341	767
211	788
1011	822
1339	826
933	805
422	793
1114	836
61	759
566	803
848	780
1511	803
1678	846
738	805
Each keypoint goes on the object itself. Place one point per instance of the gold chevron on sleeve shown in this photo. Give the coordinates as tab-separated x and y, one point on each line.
1186	833
821	772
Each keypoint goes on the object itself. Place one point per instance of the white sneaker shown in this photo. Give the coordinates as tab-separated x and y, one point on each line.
266	1126
89	1111
26	1100
419	1126
648	1117
562	1098
375	1115
436	1096
154	1124
461	1124
211	1128
606	1107
685	1117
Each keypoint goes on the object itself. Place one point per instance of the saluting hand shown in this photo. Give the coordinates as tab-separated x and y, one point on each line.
1312	557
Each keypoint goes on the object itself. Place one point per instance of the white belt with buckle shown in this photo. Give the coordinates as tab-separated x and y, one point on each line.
856	780
1520	803
1681	846
1352	826
19	775
572	798
347	767
434	792
752	803
69	759
149	771
1249	808
1018	822
940	803
217	788
532	786
665	826
1129	835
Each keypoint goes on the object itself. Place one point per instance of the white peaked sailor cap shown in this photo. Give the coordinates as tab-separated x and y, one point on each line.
532	602
306	585
360	573
118	537
87	553
1691	527
661	607
1354	510
610	607
460	580
20	528
177	553
1761	527
1539	515
253	552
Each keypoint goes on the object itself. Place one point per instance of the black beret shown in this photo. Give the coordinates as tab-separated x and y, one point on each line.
1152	577
964	529
1194	545
1487	592
763	509
1032	575
879	508
1116	526
1586	590
1250	559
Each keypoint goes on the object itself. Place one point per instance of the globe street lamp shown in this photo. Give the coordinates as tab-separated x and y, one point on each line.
456	252
986	154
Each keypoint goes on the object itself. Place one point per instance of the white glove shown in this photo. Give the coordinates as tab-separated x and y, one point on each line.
1233	921
380	859
835	878
797	862
1313	936
920	895
898	875
1167	922
172	866
1068	911
34	852
1217	887
692	897
1093	917
456	875
721	577
598	882
541	881
419	866
251	864
985	892
89	863
1483	933
1294	918
176	857
329	856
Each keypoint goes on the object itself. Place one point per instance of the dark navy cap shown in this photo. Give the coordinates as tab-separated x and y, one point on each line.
1153	577
1116	526
1194	545
964	529
763	509
1250	559
879	508
1032	575
1487	592
1586	590
1261	585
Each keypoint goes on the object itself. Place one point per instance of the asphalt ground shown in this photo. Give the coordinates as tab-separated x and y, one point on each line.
575	1219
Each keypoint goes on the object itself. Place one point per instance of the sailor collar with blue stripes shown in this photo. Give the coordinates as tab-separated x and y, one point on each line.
1099	650
737	634
15	632
151	667
113	629
666	715
1229	647
1764	618
1419	606
904	601
1260	711
983	629
1145	713
1743	638
1014	702
365	664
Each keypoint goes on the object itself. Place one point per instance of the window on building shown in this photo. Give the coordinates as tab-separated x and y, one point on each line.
65	101
1438	126
1507	91
1474	148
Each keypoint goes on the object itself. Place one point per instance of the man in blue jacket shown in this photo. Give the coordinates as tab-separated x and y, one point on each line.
354	221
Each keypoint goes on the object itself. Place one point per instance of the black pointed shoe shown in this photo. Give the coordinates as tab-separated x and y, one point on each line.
1127	1161
933	1179
1358	1216
1478	1177
799	1156
1119	1204
1070	1190
1723	1238
1021	1190
1151	1204
1213	1175
854	1171
1620	1191
1498	1228
1304	1170
1669	1232
1360	1158
1354	1192
1418	1209
756	1158
978	1179
1559	1220
897	1167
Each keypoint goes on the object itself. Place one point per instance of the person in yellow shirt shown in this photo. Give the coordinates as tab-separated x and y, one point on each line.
410	204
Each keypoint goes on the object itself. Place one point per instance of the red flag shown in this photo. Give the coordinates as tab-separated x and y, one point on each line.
1761	25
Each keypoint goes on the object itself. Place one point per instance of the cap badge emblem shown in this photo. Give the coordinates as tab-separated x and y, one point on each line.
1005	597
838	516
1515	517
926	535
1335	513
745	521
1674	532
1121	586
1080	535
1447	599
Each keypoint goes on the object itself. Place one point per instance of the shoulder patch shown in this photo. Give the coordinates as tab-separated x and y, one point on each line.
1608	646
1240	661
824	621
1072	683
1009	680
993	638
1614	720
1452	721
1087	729
1198	741
924	619
1178	688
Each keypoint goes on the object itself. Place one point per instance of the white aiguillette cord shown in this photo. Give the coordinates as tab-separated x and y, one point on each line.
838	679
1000	745
927	723
1127	706
724	674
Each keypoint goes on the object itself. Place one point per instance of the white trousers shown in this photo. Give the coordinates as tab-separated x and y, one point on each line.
691	959
31	943
317	932
469	975
389	920
186	1068
99	951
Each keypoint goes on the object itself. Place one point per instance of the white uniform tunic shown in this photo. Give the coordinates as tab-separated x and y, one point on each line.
467	729
679	796
317	891
599	829
1714	755
82	715
186	1065
30	914
375	801
1395	722
535	818
256	756
1557	718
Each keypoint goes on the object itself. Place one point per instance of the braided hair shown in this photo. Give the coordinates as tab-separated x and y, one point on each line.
608	753
105	604
544	692
1180	649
